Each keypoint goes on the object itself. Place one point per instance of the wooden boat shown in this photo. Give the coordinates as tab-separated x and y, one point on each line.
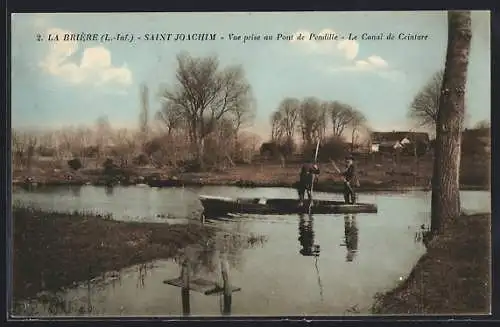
220	206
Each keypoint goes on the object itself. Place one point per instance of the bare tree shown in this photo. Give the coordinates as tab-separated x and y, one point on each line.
205	94
341	115
66	141
32	141
223	143
312	120
249	145
424	107
81	141
483	124
243	116
277	131
171	115
125	144
289	109
357	122
144	116
46	143
18	148
102	134
24	147
445	183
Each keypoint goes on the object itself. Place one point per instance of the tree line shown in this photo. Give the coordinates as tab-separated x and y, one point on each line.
200	122
313	120
201	117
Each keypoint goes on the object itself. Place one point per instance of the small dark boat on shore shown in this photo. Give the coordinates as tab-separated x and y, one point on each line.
220	206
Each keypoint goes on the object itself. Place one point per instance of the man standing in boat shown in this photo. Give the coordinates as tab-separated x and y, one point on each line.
308	175
350	181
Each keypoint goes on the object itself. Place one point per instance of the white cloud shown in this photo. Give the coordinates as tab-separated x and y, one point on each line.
346	50
350	48
369	64
95	66
321	44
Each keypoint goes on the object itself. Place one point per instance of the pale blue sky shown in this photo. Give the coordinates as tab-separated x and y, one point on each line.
53	86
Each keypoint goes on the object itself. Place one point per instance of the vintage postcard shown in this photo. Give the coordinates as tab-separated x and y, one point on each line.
250	164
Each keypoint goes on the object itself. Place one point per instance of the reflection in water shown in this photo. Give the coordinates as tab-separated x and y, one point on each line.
264	283
207	270
76	190
306	239
423	234
185	272
187	284
306	236
141	276
109	190
89	293
227	288
351	236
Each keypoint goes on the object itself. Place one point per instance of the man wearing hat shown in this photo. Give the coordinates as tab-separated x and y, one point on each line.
350	181
308	174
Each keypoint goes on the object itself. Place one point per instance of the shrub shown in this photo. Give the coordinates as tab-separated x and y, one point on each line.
109	167
75	164
287	147
152	146
46	151
141	160
274	149
269	149
331	148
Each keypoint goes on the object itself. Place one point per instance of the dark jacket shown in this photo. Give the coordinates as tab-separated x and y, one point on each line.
349	173
306	175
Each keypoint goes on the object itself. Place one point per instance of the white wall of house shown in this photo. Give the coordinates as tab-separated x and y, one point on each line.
397	145
405	141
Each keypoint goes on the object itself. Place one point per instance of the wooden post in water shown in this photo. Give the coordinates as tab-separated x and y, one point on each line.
89	279
227	286
186	306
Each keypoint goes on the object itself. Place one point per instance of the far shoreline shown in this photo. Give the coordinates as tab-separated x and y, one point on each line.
374	176
332	187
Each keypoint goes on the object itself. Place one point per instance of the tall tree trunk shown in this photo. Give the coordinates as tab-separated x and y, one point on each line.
445	183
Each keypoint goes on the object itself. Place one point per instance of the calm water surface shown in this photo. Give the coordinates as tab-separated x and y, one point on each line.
359	255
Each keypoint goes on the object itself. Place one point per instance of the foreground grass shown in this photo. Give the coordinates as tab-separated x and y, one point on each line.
54	250
453	277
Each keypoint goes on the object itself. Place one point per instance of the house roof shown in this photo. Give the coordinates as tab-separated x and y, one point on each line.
477	132
396	136
387	143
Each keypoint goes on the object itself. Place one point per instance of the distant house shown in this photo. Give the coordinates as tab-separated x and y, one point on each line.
389	142
357	148
476	140
480	133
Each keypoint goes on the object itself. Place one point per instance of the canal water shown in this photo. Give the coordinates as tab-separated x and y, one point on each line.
276	274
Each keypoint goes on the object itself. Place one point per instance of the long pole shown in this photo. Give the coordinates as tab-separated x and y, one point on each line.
312	175
335	166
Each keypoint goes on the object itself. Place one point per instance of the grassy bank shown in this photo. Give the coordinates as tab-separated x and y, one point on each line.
53	250
375	175
453	277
